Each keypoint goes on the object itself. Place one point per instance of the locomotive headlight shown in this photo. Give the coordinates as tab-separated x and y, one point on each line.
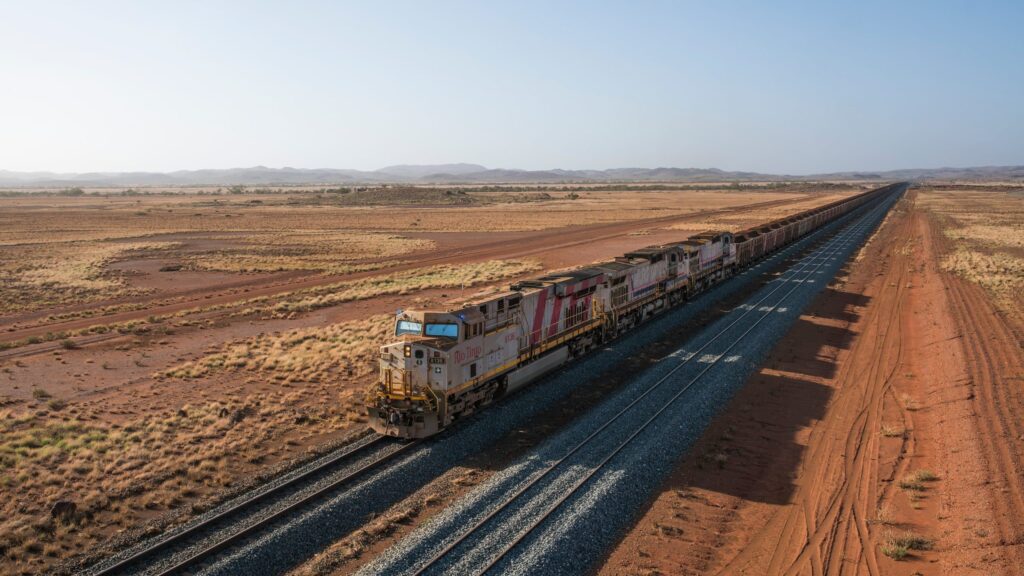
407	350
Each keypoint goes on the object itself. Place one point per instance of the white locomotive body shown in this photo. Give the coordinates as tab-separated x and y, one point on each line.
446	365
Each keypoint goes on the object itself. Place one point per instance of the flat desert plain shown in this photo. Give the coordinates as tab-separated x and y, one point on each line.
161	351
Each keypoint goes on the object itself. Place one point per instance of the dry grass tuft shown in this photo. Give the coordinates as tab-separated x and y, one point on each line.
910	483
890	431
910	403
924	476
987	232
444	276
1001	273
321	250
1009	236
45	275
915	481
883	515
897	545
307	354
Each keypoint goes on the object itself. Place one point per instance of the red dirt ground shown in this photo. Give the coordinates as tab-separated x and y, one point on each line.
109	378
896	368
470	248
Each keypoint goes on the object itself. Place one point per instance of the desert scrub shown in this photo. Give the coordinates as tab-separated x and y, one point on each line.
1009	235
735	222
915	480
326	251
891	431
113	473
322	296
443	276
911	484
897	545
924	476
1001	273
883	515
307	354
38	276
26	441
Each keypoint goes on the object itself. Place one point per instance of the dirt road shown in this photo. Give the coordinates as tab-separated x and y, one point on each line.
886	416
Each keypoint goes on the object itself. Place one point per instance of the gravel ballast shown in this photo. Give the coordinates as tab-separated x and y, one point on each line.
702	375
297	537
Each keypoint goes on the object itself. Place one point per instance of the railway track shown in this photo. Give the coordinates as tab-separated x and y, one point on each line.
235	542
187	547
530	498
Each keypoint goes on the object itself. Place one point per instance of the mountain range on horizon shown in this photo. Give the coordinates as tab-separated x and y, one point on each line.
464	173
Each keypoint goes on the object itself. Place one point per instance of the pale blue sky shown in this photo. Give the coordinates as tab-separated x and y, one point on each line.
784	87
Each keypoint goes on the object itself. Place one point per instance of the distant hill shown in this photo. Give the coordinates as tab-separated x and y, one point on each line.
467	173
974	173
419	171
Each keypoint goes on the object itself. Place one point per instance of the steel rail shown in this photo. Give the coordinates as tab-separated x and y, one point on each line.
249	503
836	241
586	477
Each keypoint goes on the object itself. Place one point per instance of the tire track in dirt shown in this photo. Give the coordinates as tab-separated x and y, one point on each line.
932	378
994	348
542	241
827	530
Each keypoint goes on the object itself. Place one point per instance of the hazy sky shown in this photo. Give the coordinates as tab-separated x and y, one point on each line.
766	86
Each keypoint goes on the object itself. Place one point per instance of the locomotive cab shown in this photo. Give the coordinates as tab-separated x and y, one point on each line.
413	369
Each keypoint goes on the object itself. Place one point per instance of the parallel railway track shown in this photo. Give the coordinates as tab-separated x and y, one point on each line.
448	557
195	546
203	539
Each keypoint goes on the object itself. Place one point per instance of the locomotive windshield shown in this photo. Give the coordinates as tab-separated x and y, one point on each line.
443	330
408	327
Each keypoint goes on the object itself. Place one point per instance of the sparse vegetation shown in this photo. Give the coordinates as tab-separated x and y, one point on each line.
895	551
55	273
298	355
324	251
263	399
909	402
443	276
911	483
890	431
915	481
925	476
986	229
883	515
121	470
999	272
897	545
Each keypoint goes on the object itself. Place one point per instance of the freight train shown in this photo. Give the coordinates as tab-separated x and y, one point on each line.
447	364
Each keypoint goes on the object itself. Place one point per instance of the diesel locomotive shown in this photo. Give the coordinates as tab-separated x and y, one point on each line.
446	364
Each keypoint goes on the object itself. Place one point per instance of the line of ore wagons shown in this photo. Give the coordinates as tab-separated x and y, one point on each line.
638	281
